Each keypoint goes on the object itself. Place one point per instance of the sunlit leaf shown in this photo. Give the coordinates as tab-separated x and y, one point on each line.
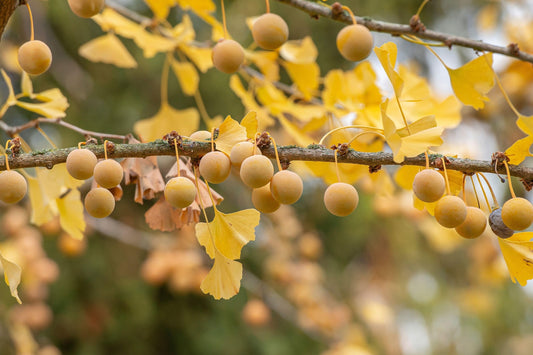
519	151
250	123
160	8
263	118
12	275
473	81
305	76
70	210
228	233
166	120
53	104
201	57
107	49
230	133
224	279
518	254
387	56
301	51
187	76
267	63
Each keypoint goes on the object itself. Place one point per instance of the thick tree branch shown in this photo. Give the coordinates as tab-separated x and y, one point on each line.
317	9
316	153
7	7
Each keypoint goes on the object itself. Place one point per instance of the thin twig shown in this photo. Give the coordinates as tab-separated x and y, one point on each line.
13	130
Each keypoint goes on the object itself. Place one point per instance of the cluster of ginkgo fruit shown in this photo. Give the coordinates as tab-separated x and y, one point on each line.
270	32
82	164
470	222
34	56
269	189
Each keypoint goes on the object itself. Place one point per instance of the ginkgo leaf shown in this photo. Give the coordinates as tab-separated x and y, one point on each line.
166	120
230	133
405	175
525	123
53	104
151	44
160	8
518	254
11	99
187	76
197	6
250	123
70	210
305	76
409	142
201	57
473	81
12	275
519	151
248	100
387	56
267	63
26	84
301	51
108	49
224	279
228	233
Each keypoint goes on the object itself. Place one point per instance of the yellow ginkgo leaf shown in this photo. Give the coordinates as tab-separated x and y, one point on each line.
108	49
46	189
11	99
518	254
53	104
248	100
305	76
230	133
387	56
267	63
405	175
160	8
301	138
70	210
525	123
166	120
201	57
198	6
187	76
224	279
26	84
409	142
519	151
473	80
12	274
301	51
250	123
228	233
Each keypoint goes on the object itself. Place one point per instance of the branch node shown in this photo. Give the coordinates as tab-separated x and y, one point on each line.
417	25
513	48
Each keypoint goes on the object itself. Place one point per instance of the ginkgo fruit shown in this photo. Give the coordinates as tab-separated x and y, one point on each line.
474	224
429	185
241	151
263	200
228	56
13	186
215	167
86	8
270	31
201	136
286	187
355	42
108	173
256	171
341	199
498	227
34	57
517	213
180	192
450	211
81	163
99	202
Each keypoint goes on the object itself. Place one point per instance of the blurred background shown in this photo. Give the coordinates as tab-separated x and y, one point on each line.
386	280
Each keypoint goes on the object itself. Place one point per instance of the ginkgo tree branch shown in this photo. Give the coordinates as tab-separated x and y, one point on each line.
7	7
315	153
316	9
